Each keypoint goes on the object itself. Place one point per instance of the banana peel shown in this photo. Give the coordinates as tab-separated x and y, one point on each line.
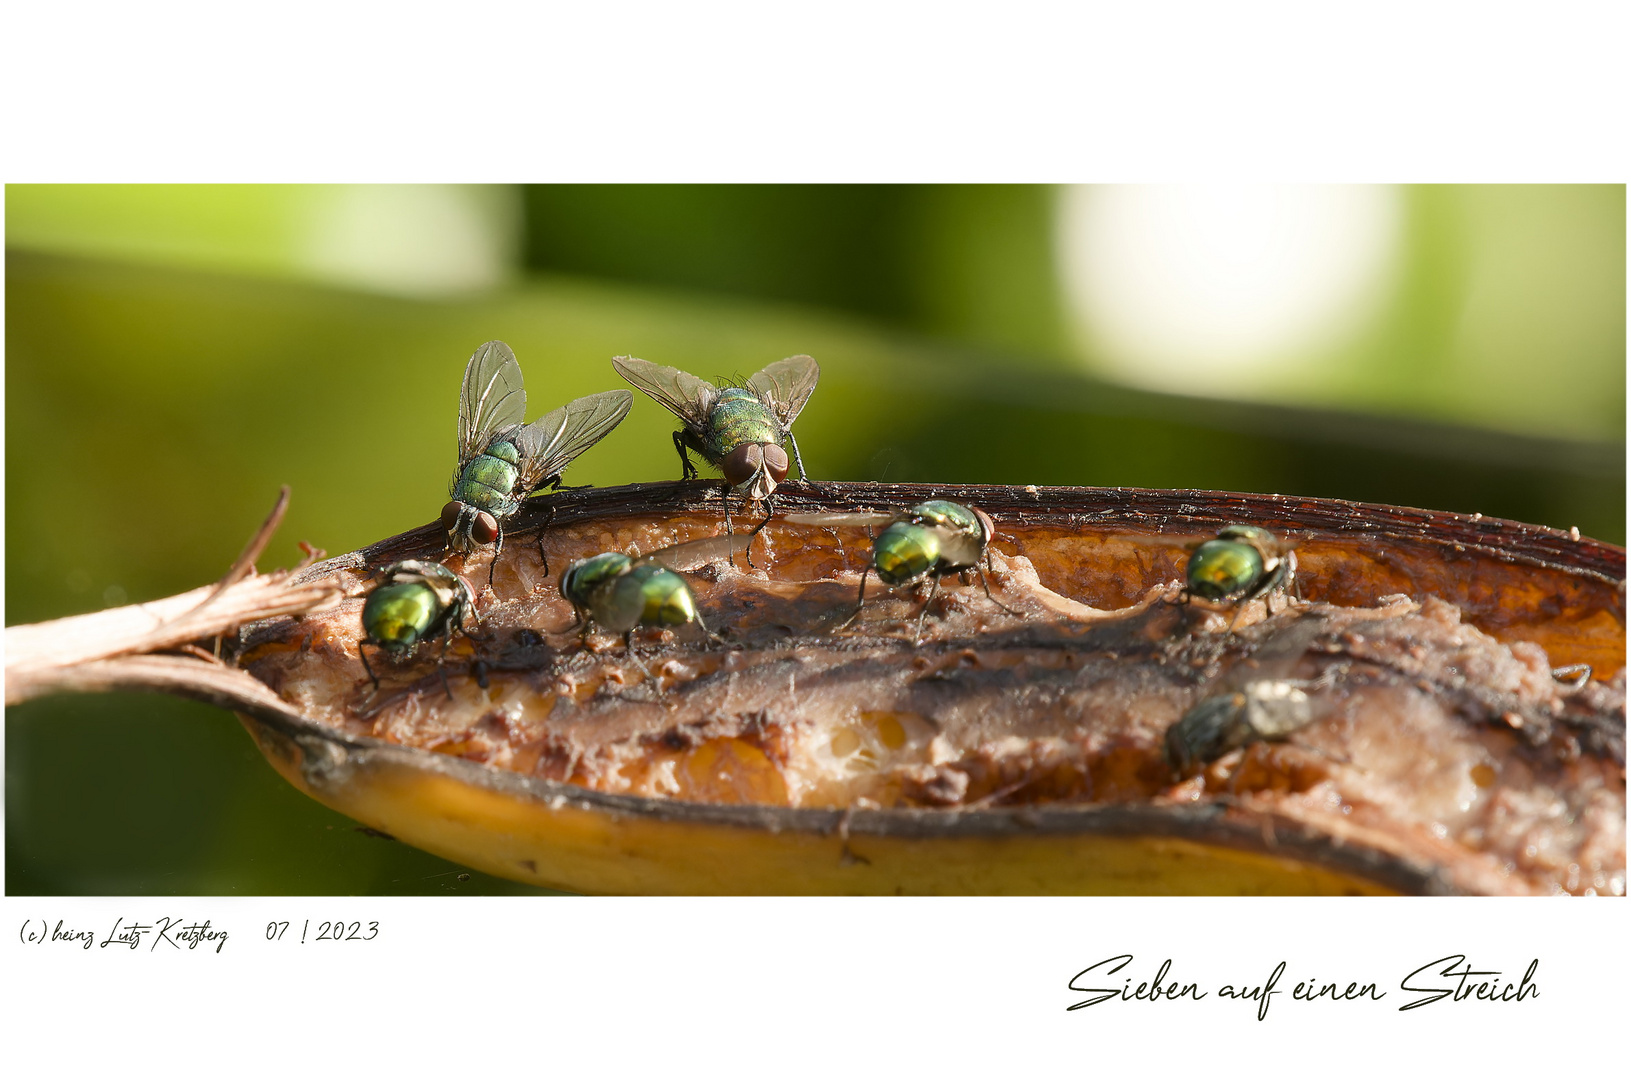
1017	749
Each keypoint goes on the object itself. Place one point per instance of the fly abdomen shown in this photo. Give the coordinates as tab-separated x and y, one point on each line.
1220	569
398	615
905	552
668	600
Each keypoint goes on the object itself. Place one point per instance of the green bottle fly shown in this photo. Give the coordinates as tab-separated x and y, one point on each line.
927	541
503	460
1243	563
737	429
417	601
620	593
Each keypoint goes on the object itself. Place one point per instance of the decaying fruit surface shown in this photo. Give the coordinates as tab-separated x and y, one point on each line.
1008	751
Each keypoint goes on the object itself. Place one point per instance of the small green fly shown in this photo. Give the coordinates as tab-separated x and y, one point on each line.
929	540
738	429
620	593
1264	709
415	602
1252	702
503	460
1240	564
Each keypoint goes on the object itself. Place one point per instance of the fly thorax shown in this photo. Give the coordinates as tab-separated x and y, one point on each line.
1275	708
398	615
946	514
1219	569
958	528
739	417
582	578
959	551
489	480
905	552
618	604
448	586
668	600
1255	535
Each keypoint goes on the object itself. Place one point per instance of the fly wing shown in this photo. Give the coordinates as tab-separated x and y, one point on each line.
695	553
785	386
1192	541
1277	655
550	443
841	520
491	399
681	393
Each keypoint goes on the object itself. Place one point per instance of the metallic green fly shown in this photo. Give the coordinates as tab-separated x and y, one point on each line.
1253	702
1264	709
1242	563
503	460
415	602
929	540
738	429
620	592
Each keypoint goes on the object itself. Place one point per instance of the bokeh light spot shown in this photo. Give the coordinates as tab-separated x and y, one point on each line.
1221	289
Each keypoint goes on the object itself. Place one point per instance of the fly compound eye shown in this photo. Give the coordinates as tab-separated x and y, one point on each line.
485	528
450	516
987	526
775	462
740	464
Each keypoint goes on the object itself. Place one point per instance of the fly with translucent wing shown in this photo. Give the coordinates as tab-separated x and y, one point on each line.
620	592
1253	702
1240	564
416	601
929	540
503	460
738	429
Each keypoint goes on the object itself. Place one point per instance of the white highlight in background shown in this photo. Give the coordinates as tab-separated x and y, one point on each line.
411	239
1221	289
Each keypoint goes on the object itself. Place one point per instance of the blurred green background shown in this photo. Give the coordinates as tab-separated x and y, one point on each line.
174	353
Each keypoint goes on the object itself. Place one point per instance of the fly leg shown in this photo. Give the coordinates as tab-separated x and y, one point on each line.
441	663
922	613
498	546
1574	677
364	658
987	584
628	647
542	554
860	599
725	501
798	459
688	471
713	638
770	512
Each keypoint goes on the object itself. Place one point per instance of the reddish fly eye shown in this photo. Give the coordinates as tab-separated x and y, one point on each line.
450	516
776	462
740	464
484	529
